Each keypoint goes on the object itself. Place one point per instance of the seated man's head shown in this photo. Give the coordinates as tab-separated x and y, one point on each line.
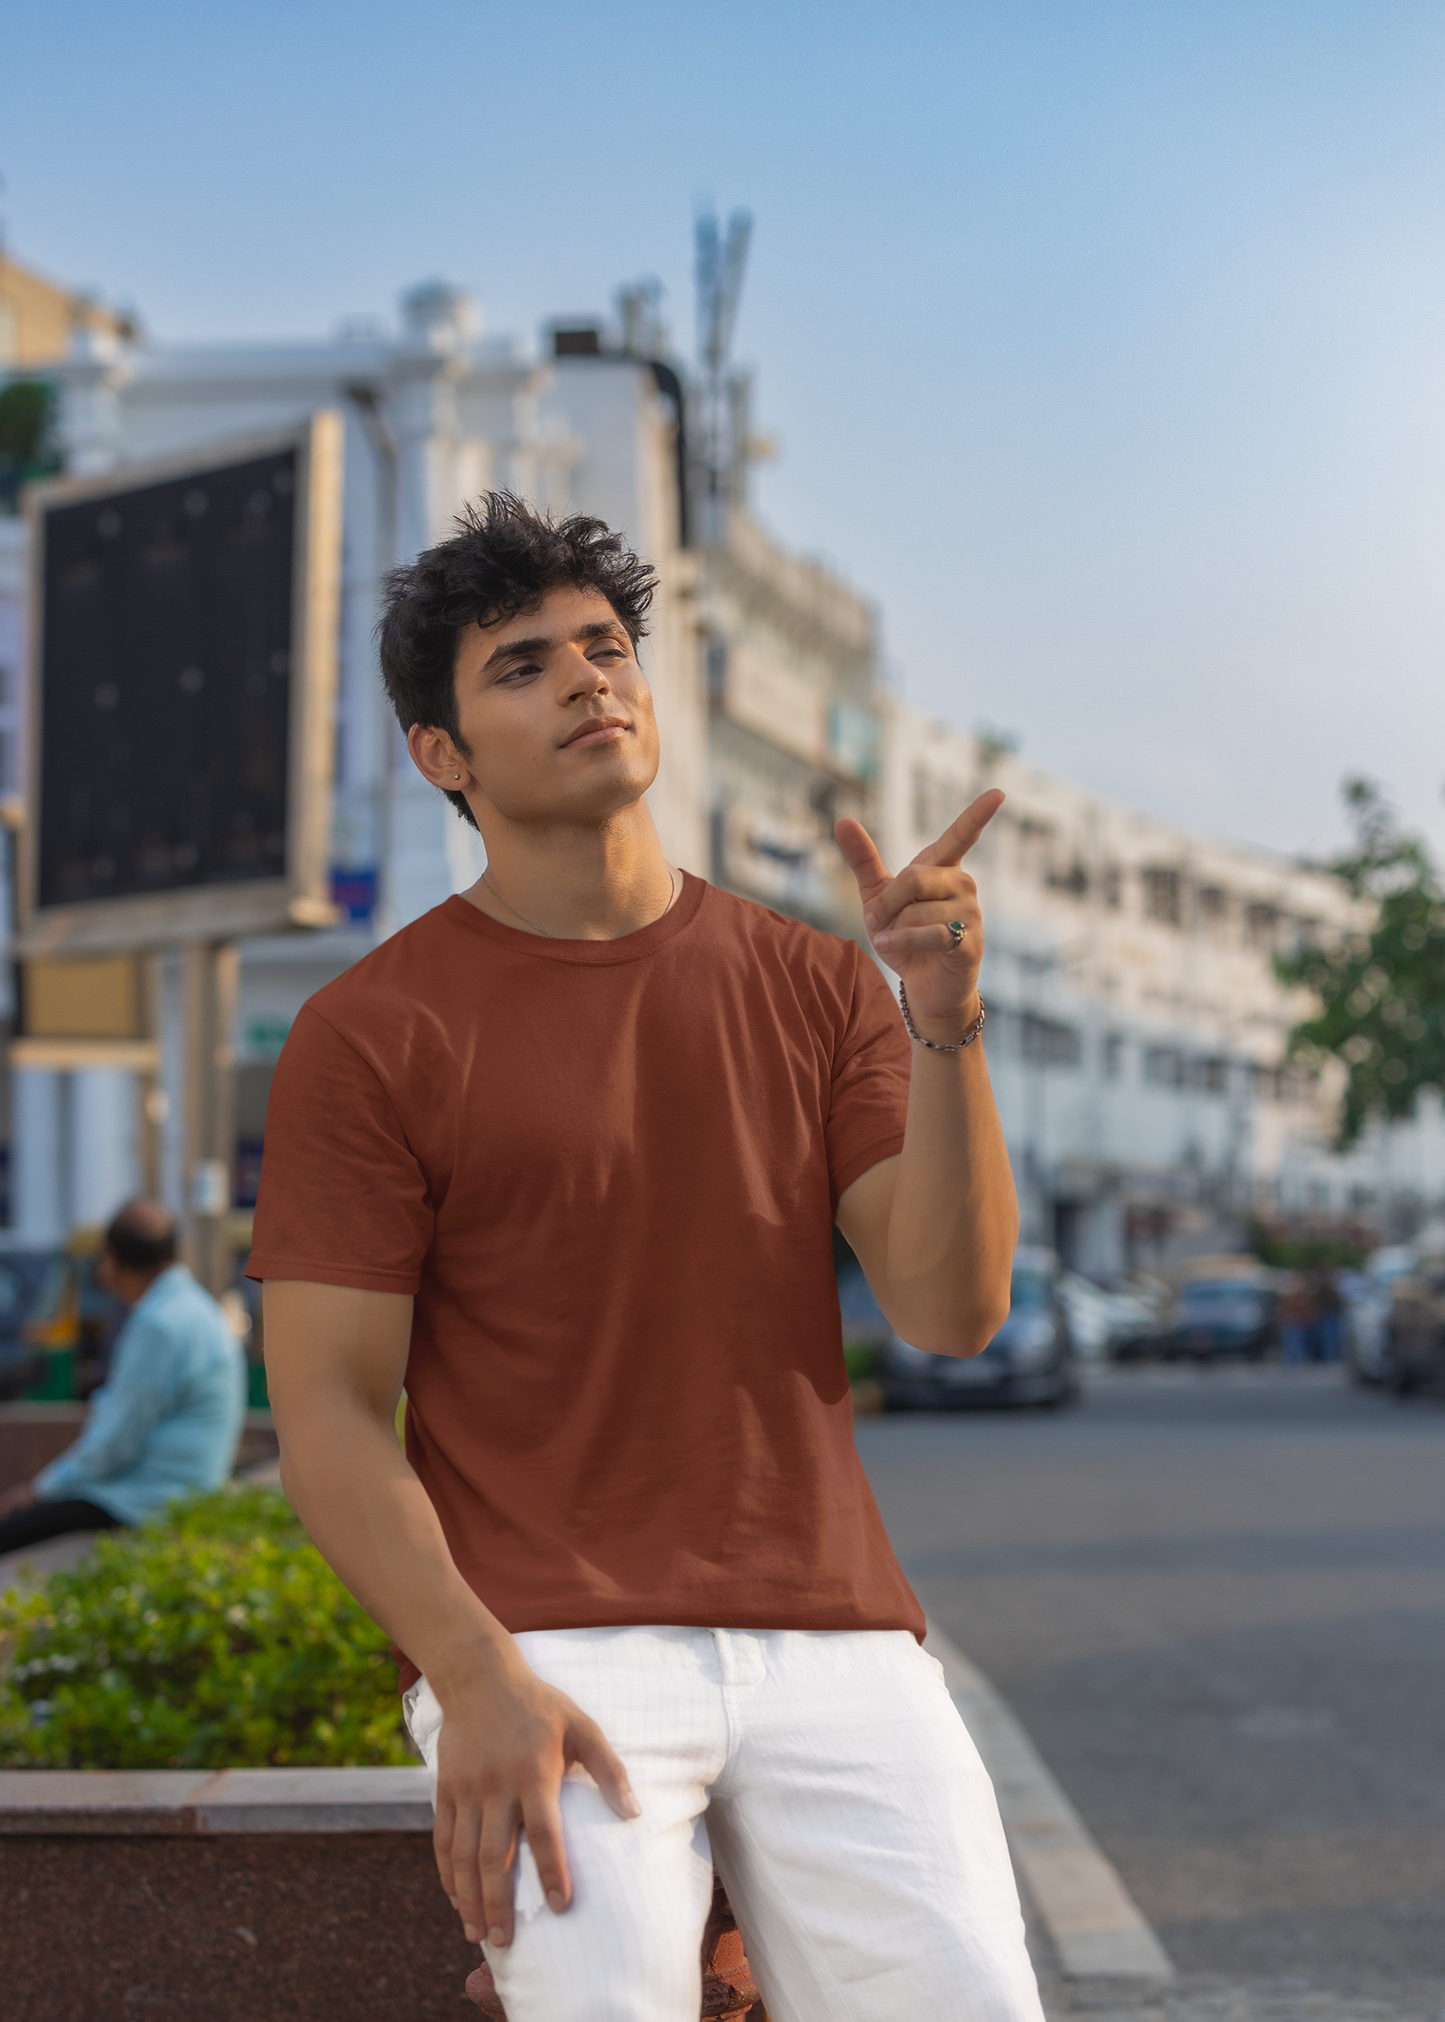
509	653
139	1244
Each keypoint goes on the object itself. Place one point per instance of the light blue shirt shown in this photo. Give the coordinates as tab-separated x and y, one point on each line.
169	1418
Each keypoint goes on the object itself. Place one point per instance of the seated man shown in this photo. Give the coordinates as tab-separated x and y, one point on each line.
170	1416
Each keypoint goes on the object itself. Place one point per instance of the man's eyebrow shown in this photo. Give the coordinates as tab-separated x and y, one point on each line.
512	649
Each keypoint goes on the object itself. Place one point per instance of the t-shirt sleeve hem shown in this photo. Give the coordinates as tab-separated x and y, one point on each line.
352	1277
863	1160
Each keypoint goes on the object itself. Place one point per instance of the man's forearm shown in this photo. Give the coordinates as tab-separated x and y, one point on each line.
953	1216
374	1524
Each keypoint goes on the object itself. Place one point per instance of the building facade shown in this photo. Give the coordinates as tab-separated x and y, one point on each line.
1136	1027
761	664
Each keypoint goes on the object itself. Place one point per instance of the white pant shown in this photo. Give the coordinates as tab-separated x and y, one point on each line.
829	1777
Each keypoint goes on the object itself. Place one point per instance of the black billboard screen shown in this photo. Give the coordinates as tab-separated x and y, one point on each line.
165	702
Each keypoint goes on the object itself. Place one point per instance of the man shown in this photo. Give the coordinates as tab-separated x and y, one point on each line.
563	1157
169	1416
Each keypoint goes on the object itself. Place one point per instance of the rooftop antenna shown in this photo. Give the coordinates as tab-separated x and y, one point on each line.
720	264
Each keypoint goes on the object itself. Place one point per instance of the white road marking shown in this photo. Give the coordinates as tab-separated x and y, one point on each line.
1096	1926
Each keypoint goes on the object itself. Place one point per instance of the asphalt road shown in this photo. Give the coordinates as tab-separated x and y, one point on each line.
1216	1600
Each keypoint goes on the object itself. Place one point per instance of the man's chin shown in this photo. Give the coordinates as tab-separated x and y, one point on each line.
585	804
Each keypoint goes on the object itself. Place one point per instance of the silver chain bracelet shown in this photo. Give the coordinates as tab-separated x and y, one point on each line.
913	1032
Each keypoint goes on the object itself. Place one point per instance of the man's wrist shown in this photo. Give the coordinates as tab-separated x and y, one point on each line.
471	1661
952	1026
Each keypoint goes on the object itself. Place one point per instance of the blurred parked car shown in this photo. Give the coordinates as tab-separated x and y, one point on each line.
1225	1306
1416	1335
1366	1297
1031	1359
1106	1325
22	1273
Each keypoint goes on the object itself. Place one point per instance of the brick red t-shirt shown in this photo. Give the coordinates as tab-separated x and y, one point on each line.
608	1171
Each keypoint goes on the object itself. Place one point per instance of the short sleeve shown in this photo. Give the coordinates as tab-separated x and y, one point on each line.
868	1098
343	1199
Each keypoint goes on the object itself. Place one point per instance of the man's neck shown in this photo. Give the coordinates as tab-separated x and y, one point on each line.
576	884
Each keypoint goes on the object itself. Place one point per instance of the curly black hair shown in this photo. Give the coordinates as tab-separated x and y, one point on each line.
502	560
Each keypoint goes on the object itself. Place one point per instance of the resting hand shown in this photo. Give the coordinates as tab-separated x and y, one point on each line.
907	917
505	1744
22	1496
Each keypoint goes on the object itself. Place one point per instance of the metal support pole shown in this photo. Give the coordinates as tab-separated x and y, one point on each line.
210	971
150	1096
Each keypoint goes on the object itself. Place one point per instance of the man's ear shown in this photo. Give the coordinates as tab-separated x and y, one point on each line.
437	759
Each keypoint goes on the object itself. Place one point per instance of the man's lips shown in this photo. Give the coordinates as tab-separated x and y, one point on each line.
596	730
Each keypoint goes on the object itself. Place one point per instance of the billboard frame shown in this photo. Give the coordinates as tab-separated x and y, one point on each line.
301	896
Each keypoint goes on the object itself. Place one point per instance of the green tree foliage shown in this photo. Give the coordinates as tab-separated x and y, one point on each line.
213	1637
27	448
1381	992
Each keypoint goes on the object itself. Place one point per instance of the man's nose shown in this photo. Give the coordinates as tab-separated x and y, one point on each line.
585	679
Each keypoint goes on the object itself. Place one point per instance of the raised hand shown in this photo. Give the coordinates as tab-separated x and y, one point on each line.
913	920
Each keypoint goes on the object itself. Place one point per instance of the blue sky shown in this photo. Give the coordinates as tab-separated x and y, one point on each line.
1105	341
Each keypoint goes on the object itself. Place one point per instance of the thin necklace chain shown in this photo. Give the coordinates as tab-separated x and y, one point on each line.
533	928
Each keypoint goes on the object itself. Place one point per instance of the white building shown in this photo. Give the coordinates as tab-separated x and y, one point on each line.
1136	1028
761	664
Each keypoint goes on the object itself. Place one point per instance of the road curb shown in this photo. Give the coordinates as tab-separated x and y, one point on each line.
1096	1927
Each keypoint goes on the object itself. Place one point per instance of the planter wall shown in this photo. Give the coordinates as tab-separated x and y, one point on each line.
257	1895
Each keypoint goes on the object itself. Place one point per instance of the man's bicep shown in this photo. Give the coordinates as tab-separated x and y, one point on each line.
330	1339
863	1212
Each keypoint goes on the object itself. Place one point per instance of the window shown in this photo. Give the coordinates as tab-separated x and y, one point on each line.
1210	1075
1035	847
1162	895
1113	1055
1074	880
937	801
1047	1042
1260	924
1212	904
1164	1066
9	731
717	671
1113	888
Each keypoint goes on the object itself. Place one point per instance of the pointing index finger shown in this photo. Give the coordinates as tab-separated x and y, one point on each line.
961	835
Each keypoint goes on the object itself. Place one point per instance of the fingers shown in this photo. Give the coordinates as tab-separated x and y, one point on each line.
961	835
589	1746
475	1841
456	1839
495	1862
860	853
443	1826
921	885
542	1820
935	940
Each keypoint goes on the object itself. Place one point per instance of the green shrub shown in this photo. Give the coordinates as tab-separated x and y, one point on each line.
212	1637
861	1359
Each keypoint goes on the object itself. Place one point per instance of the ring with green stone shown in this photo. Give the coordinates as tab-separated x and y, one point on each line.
958	930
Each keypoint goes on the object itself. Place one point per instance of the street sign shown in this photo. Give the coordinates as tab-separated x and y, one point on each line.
181	701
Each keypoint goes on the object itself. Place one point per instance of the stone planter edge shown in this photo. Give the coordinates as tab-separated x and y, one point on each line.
175	1803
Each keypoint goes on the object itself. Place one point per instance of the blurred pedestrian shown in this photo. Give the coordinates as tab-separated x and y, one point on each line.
1326	1323
1296	1318
168	1418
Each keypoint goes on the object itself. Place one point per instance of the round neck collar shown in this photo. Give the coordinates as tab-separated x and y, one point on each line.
626	948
